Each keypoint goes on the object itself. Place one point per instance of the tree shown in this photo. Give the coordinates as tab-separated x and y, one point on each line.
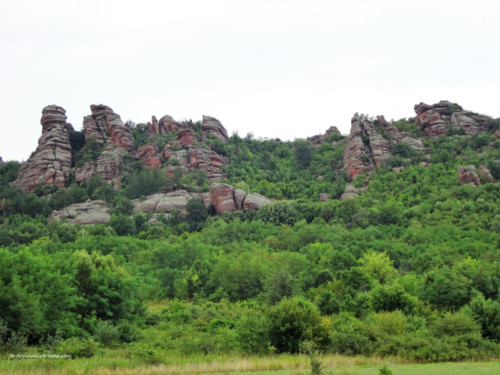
196	214
293	321
302	153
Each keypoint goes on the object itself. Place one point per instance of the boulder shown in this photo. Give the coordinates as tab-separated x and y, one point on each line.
485	173
222	198
318	140
324	197
50	164
210	125
254	201
468	175
86	213
349	192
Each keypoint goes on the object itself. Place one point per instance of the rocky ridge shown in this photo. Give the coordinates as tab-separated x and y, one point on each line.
53	164
436	119
223	197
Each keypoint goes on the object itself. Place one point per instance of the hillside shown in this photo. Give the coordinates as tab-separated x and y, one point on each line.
176	239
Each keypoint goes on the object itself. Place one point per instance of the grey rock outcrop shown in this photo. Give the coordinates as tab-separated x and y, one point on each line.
50	164
86	213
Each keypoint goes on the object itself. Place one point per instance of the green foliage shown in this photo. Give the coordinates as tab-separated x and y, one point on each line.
89	152
294	321
453	324
385	370
196	214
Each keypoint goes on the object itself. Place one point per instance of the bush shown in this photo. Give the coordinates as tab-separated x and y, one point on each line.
252	330
293	321
452	324
107	334
78	347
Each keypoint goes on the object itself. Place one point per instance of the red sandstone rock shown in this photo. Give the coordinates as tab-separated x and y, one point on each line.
467	175
222	198
436	119
107	127
149	155
185	136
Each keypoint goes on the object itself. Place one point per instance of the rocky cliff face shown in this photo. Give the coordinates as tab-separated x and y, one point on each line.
107	127
186	153
370	142
50	164
436	119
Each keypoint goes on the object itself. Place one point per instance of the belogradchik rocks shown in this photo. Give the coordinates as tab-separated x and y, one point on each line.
469	175
436	119
86	213
50	164
370	143
224	198
107	127
318	140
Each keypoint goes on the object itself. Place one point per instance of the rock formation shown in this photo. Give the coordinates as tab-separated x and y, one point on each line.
166	125
1	161
149	155
467	175
370	142
107	127
211	125
225	198
86	213
349	192
318	140
107	166
435	120
50	164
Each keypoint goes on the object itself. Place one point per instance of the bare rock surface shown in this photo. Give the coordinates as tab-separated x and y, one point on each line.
107	127
370	143
149	155
436	119
468	175
107	166
349	192
210	125
50	164
86	213
318	140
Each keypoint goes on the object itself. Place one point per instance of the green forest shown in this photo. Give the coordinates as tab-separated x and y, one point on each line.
408	269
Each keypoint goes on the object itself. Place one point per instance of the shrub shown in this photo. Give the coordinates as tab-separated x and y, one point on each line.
107	334
78	347
293	321
452	324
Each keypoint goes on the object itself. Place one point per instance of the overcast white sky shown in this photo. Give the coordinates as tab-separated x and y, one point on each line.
275	68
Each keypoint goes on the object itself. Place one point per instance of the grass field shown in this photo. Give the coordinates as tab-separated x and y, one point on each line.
273	365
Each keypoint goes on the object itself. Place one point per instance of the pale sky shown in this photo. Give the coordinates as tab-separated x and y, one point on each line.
275	68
